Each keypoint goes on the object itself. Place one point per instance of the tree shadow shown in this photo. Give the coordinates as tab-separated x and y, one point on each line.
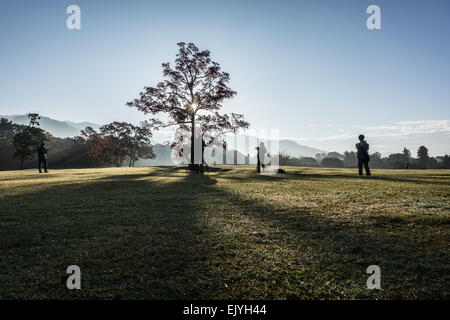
132	238
343	251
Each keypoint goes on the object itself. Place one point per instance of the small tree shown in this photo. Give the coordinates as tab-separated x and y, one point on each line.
398	160
350	159
139	144
376	161
116	136
335	155
406	154
34	119
422	154
320	156
446	162
28	140
308	162
332	163
96	145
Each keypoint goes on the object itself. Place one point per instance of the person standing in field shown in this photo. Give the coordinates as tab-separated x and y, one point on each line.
362	148
261	154
42	157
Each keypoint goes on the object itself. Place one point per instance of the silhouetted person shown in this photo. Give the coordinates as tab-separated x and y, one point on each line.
42	157
363	155
260	157
203	155
258	163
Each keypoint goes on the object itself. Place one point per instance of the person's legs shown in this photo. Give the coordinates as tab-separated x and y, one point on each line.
366	166
360	165
44	161
39	165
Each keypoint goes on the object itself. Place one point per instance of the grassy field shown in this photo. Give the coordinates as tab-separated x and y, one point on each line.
162	233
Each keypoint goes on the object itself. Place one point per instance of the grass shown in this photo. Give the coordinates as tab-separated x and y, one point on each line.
162	233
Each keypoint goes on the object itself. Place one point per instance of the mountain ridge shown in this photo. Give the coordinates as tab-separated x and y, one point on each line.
58	128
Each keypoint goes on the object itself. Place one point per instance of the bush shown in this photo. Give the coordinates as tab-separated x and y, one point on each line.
308	162
332	163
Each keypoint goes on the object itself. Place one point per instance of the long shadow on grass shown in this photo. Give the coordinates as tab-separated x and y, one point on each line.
382	177
333	255
374	177
131	236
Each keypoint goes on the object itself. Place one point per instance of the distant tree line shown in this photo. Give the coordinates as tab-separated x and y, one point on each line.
121	143
348	159
115	144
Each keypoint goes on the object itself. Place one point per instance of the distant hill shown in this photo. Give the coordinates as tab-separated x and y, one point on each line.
60	129
82	125
297	150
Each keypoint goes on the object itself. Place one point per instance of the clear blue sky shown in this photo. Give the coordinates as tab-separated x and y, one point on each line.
311	68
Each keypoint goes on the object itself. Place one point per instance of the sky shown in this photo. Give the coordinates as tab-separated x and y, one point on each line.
312	69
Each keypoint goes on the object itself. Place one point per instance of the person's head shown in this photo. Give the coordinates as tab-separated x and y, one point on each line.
361	137
261	144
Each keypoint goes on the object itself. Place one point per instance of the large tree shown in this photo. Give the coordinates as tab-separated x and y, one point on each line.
191	95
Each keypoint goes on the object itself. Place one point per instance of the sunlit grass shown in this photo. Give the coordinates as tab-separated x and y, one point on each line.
164	233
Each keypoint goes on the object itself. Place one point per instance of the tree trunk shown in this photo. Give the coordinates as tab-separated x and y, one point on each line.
21	164
192	165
